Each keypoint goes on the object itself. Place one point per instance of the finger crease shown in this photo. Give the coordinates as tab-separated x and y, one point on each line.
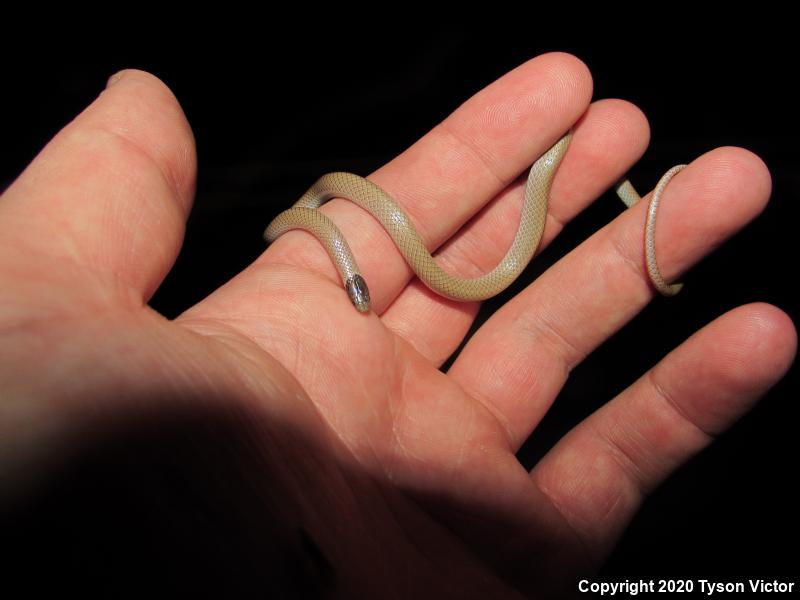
542	328
166	174
636	265
475	149
581	534
625	461
557	226
670	401
499	417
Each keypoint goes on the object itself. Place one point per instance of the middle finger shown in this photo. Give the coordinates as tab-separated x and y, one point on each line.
609	138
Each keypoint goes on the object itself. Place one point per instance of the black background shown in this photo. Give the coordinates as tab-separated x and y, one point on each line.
270	114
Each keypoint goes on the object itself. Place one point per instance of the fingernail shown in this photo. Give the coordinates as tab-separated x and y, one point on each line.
114	78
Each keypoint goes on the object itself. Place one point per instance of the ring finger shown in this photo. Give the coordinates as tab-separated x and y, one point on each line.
518	361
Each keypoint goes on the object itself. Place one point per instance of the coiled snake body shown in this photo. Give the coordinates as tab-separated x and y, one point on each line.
304	215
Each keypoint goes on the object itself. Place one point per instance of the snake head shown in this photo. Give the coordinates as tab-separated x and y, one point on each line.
359	292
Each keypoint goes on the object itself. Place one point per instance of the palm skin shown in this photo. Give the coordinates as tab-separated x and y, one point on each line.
403	477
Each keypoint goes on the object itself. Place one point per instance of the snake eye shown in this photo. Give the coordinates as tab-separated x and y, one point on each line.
359	292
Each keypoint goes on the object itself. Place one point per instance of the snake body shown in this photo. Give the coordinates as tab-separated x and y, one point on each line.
304	215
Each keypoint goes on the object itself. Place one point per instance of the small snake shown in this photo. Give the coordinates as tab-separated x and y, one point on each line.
304	215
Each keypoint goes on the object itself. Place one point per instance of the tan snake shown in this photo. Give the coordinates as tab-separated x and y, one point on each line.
304	215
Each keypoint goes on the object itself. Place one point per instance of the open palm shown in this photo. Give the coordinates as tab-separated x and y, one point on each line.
401	477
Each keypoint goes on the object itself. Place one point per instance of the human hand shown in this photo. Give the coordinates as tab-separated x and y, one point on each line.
418	464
